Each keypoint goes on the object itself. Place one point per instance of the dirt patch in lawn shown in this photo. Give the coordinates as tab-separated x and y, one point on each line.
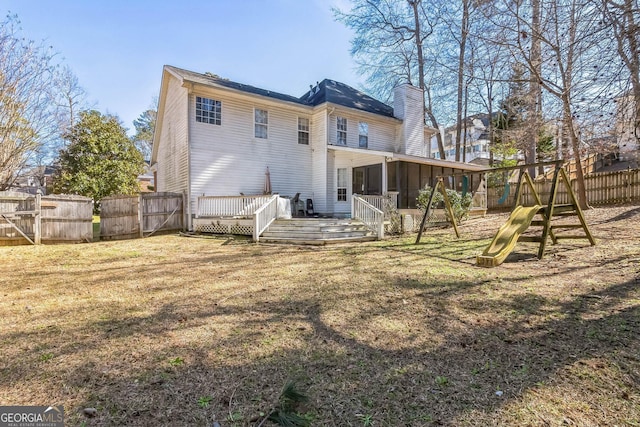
183	331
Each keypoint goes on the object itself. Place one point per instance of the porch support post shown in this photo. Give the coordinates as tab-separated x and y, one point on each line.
384	176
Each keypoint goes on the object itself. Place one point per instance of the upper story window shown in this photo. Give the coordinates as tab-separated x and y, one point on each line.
341	125
208	111
303	131
363	135
261	123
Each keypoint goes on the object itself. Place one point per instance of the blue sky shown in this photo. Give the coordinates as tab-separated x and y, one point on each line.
117	48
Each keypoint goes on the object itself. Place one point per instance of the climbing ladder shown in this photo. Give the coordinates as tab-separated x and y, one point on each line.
553	210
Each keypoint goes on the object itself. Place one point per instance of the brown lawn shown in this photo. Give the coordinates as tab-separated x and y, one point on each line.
177	331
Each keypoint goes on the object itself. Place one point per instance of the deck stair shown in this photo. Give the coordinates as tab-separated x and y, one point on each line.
316	231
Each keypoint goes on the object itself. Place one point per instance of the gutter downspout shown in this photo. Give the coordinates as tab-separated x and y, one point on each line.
188	197
327	190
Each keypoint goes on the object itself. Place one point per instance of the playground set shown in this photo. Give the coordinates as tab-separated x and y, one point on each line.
522	217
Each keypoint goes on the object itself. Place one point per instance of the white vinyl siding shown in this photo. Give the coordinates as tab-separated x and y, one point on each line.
382	133
225	160
173	151
319	172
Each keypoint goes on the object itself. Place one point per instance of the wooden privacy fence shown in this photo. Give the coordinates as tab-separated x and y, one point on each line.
603	188
35	219
130	217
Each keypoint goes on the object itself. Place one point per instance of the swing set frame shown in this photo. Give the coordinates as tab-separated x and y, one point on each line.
548	212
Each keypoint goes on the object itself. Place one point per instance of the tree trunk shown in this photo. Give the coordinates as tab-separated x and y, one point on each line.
427	107
633	64
534	88
575	146
464	30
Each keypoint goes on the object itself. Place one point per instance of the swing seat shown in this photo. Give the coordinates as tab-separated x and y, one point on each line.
505	194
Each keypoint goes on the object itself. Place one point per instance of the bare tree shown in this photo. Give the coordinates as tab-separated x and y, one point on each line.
624	20
389	44
26	115
462	43
558	42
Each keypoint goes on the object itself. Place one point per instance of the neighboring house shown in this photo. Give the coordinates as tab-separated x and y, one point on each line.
627	140
37	179
145	180
216	137
475	140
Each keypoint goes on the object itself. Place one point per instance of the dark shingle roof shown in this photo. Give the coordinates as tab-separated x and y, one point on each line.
326	91
207	79
342	94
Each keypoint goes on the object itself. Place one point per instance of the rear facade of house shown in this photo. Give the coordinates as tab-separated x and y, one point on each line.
216	137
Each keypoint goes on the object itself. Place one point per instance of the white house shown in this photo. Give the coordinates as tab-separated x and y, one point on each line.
216	137
475	140
625	130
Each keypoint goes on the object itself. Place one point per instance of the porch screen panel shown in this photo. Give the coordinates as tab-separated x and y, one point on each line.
425	175
413	184
392	176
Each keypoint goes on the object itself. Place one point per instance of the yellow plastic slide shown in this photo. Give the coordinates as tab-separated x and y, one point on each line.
507	236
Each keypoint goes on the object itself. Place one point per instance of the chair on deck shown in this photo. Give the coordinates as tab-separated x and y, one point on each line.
310	211
297	206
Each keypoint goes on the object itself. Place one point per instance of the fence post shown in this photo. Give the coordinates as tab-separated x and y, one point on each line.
140	216
184	210
37	220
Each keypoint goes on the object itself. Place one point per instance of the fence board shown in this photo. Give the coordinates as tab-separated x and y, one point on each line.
119	218
161	212
11	202
66	219
62	218
123	217
602	188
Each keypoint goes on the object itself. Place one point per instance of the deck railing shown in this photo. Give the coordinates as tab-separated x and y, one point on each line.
264	216
377	201
229	206
370	215
385	203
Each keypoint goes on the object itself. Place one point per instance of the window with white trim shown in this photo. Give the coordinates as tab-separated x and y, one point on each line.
341	125
342	184
363	135
208	111
303	131
261	126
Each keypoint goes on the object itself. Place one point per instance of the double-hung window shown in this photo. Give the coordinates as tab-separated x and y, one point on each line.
341	125
303	131
261	126
342	184
363	135
208	111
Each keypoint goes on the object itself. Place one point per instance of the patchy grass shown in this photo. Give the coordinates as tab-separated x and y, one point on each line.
184	332
95	223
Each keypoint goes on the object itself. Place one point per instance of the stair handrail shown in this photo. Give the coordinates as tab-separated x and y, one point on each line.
264	216
371	216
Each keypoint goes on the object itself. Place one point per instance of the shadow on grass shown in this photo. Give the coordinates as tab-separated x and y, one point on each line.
405	344
354	364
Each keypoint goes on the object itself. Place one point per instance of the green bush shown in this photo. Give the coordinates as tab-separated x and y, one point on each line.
459	204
